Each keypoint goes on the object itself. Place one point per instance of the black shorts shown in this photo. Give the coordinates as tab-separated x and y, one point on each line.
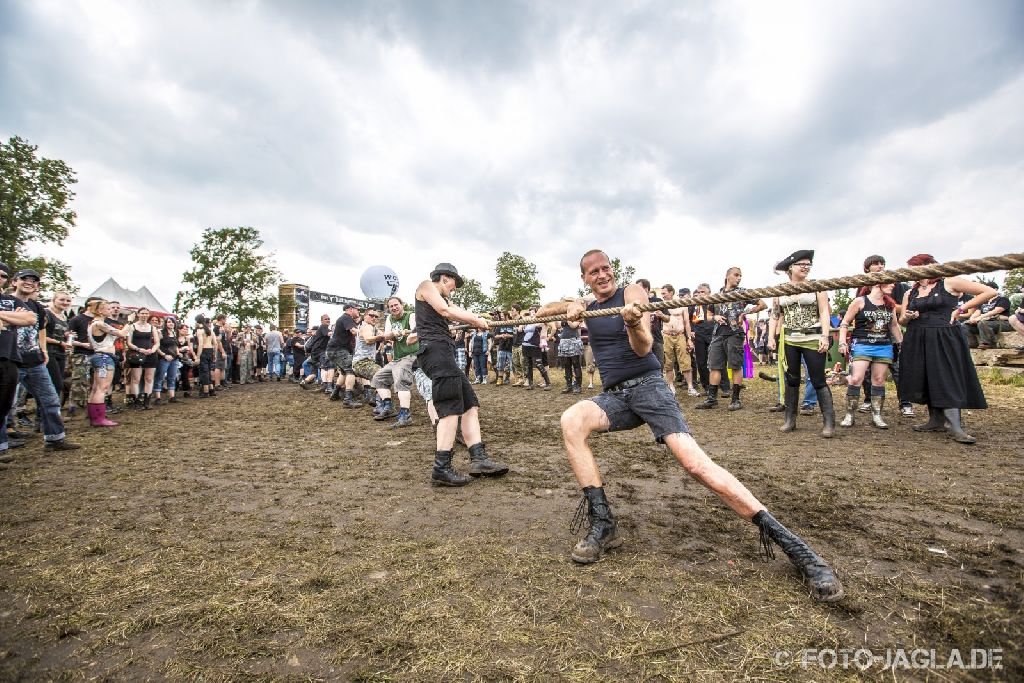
648	400
726	352
452	393
148	362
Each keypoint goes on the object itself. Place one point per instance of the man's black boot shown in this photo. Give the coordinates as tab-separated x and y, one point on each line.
369	395
735	404
145	401
792	397
62	445
955	430
936	421
711	401
336	393
350	401
444	474
820	578
480	464
602	533
111	408
828	412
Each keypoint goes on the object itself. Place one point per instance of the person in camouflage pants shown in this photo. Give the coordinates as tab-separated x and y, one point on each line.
81	382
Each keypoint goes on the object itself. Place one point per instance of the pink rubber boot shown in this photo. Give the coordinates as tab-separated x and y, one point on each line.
98	416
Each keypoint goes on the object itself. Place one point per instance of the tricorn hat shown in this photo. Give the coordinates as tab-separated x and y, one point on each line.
447	269
785	263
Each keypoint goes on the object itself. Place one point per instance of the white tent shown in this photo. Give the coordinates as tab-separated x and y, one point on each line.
139	298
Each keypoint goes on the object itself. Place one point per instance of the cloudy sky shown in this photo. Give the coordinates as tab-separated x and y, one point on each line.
683	137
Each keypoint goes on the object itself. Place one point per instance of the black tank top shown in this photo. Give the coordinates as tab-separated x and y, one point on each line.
142	340
609	341
568	332
871	324
431	326
169	345
935	309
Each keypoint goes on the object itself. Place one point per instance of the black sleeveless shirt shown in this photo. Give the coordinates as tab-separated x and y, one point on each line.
609	341
142	340
871	325
431	326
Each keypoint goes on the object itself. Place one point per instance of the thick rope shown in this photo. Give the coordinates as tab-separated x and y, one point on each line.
909	274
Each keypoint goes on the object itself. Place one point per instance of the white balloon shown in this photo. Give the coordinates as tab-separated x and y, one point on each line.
378	282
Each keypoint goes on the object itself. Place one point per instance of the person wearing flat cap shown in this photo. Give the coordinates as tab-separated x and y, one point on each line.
805	338
452	394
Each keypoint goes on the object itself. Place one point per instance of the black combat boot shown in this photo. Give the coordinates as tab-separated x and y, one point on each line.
820	578
336	393
350	401
792	398
480	464
369	395
111	408
735	404
444	474
145	401
711	401
603	533
828	412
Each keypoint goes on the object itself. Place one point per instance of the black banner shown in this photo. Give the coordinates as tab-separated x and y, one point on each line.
339	300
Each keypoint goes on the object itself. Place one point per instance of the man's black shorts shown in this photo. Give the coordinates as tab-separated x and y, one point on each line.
452	393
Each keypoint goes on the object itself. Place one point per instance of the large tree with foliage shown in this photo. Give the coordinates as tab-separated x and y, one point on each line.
230	276
516	282
35	198
623	275
471	296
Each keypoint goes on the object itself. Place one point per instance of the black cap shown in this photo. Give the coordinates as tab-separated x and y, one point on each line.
447	269
5	268
27	272
785	263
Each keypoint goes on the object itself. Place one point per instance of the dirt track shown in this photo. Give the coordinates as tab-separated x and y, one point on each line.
270	534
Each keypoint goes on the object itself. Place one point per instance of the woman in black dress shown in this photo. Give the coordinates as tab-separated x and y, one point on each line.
936	366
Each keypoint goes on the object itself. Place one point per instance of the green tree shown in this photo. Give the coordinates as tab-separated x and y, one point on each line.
471	296
841	300
516	282
35	196
230	276
623	275
1014	280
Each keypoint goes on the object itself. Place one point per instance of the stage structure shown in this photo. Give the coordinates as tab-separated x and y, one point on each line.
293	304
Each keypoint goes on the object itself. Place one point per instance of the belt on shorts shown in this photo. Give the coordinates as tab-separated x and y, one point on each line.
626	384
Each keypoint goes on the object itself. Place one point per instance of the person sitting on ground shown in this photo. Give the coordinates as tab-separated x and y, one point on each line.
635	393
991	318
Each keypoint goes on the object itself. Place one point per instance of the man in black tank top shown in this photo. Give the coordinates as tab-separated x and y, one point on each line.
635	393
452	394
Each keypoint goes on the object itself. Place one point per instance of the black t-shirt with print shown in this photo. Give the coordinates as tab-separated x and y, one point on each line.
56	332
9	335
731	312
996	302
343	337
28	336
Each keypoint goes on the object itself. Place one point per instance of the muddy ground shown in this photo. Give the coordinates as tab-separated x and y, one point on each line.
271	535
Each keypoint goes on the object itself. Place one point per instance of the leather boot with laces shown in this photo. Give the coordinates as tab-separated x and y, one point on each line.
821	580
711	401
602	532
444	474
480	464
735	404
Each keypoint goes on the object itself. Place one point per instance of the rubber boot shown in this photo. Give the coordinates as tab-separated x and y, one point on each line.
145	402
936	421
336	393
852	400
444	474
735	404
955	429
98	418
791	399
877	401
603	532
480	464
822	581
828	412
711	401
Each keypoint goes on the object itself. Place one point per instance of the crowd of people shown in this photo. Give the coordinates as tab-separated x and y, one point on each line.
919	332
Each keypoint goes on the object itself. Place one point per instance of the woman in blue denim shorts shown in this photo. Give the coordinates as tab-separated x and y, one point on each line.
102	337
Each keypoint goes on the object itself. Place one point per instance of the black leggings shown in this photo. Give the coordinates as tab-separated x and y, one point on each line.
533	356
815	366
573	367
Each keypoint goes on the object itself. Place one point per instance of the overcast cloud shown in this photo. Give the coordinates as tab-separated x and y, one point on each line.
681	137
